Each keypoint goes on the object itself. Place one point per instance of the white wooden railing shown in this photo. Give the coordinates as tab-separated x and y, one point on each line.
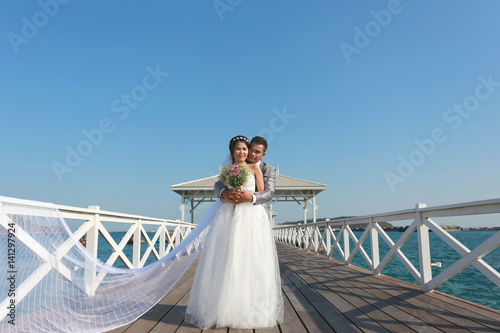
310	236
169	233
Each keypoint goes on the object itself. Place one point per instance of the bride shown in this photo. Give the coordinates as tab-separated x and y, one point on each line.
237	281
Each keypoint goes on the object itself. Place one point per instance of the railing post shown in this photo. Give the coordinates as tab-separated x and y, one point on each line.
328	239
177	237
424	250
345	235
136	252
92	247
310	237
305	238
162	239
374	245
315	238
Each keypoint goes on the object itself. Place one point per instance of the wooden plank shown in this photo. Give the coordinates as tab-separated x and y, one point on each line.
310	318
291	321
427	318
461	313
441	310
149	319
452	316
216	330
274	329
401	321
324	295
391	317
454	308
330	313
356	316
174	318
186	328
361	300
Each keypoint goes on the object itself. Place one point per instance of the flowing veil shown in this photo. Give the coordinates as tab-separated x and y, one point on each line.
228	160
45	279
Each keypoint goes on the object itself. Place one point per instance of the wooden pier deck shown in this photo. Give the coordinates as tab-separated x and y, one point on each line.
323	295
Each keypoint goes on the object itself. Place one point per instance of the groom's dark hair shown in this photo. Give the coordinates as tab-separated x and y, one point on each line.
260	141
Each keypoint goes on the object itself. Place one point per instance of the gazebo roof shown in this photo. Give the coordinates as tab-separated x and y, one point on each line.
198	184
289	183
284	186
287	189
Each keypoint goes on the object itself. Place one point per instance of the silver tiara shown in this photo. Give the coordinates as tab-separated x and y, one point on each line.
240	137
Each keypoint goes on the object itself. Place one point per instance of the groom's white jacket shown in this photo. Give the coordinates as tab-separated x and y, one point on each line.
265	196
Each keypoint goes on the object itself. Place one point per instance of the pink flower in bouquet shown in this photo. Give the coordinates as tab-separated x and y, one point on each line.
234	175
234	170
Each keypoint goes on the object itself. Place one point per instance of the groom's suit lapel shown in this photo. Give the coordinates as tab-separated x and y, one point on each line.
262	166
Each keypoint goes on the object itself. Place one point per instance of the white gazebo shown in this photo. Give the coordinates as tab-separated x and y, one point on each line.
287	189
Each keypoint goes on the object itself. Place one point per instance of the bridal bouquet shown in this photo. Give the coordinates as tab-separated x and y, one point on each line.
234	175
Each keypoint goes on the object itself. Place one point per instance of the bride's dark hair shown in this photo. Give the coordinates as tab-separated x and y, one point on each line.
232	143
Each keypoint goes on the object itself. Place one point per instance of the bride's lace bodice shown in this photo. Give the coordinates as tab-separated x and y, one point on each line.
249	184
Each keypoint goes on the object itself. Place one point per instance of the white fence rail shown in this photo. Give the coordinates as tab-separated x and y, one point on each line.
169	233
319	236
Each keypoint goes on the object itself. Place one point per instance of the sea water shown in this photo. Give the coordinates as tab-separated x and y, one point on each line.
469	284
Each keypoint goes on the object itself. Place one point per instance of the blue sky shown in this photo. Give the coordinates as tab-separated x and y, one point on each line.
388	103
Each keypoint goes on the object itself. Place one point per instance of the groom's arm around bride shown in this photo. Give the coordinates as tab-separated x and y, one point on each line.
258	147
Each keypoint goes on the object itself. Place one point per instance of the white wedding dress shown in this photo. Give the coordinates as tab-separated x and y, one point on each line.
237	282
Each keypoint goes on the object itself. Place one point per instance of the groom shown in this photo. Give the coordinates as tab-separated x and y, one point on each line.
258	147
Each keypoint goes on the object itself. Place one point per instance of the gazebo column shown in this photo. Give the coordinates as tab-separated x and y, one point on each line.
305	211
192	210
314	207
182	208
315	233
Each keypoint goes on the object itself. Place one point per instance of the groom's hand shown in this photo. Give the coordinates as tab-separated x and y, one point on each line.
244	196
229	196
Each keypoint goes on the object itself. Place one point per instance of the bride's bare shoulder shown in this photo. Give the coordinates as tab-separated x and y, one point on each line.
254	168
